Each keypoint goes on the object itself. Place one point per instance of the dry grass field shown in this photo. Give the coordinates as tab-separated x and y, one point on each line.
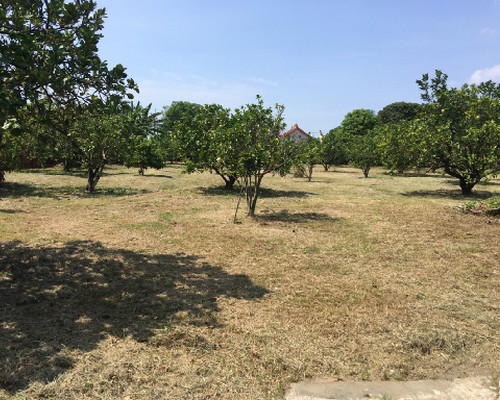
147	290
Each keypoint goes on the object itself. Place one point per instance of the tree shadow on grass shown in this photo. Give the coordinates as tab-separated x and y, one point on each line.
17	190
264	192
340	170
297	194
10	211
79	173
301	217
146	175
413	174
449	193
54	299
218	191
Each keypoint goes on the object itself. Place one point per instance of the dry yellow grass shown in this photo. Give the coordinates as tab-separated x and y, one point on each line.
147	290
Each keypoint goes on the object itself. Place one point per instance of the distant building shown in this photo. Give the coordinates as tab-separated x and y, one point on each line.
296	134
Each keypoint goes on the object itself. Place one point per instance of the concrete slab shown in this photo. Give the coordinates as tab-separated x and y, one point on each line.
474	388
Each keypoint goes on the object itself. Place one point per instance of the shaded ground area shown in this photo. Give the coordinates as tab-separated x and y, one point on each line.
264	192
22	190
294	217
450	193
55	299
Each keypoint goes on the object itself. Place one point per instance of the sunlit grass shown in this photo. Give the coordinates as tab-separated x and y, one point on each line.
148	290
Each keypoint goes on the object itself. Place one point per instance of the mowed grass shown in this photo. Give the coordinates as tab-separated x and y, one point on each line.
147	290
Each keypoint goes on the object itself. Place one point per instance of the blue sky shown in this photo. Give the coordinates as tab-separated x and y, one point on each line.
319	58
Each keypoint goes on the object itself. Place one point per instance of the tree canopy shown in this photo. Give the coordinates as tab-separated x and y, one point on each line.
359	122
49	62
175	113
206	142
49	52
356	139
460	128
398	111
243	144
263	151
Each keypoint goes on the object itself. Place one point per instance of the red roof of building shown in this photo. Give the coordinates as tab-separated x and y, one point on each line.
294	128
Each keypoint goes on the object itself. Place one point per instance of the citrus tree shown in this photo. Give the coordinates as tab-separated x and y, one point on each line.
359	130
262	150
142	150
399	146
363	152
460	129
206	142
333	148
308	155
49	62
171	115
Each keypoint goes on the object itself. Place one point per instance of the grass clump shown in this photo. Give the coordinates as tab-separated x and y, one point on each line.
490	206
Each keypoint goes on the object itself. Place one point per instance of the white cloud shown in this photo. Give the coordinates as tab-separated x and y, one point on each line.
488	32
486	74
164	87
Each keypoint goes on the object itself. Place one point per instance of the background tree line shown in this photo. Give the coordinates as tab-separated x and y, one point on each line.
456	130
59	102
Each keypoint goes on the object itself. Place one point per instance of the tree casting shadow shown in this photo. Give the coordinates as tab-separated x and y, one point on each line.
264	192
450	194
59	298
19	190
146	175
413	174
9	211
79	173
301	217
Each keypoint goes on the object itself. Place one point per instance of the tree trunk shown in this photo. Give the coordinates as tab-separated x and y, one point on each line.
366	171
253	191
230	181
2	177
466	186
94	174
67	165
310	169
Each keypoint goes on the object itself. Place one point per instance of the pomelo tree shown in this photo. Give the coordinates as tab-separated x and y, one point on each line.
460	128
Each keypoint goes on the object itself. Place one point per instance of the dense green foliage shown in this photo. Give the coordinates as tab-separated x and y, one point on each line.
399	146
51	71
359	122
175	113
356	138
334	148
363	152
241	145
309	154
206	142
142	149
398	112
330	149
460	129
263	151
